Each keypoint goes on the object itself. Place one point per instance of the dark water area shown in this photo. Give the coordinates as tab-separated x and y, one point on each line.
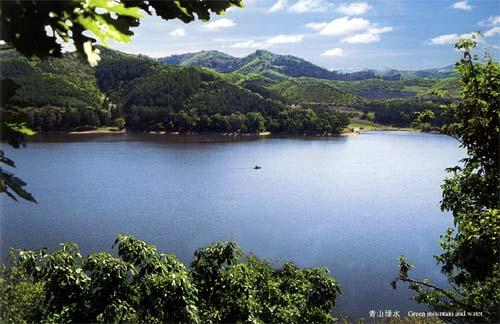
352	204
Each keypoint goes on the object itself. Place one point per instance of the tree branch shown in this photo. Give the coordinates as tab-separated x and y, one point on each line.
441	290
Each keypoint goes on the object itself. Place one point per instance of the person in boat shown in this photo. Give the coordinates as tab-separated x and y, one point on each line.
257	167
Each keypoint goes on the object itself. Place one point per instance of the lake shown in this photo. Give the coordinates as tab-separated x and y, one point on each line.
352	204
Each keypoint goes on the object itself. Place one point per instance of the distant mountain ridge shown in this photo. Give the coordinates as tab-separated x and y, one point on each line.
262	62
279	67
441	72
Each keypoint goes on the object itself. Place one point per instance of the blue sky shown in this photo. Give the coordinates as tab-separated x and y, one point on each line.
335	34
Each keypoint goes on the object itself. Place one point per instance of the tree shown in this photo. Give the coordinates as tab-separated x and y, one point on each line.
13	129
255	122
472	193
423	119
143	285
24	25
118	123
237	122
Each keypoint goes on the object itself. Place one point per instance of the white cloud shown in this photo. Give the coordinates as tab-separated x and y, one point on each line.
356	30
179	32
333	52
249	44
275	40
302	6
372	35
316	26
278	6
345	25
353	9
462	5
364	38
492	32
492	21
449	38
221	23
285	39
380	30
445	39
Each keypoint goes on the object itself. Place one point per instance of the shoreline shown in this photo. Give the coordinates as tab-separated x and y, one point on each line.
97	131
355	132
92	131
206	133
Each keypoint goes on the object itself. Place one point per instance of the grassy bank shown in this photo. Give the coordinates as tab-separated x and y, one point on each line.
98	130
366	125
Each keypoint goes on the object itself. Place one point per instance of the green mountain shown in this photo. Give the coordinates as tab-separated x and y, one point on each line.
279	67
210	59
262	62
66	94
55	93
262	91
59	82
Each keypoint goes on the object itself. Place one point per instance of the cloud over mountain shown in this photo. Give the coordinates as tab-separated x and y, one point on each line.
353	9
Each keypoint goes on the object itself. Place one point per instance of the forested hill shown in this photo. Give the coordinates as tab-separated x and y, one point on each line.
66	94
262	62
210	59
140	92
279	67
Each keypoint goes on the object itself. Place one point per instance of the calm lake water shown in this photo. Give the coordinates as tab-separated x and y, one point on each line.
352	204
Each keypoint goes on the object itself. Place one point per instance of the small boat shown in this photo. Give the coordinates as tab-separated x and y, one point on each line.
257	167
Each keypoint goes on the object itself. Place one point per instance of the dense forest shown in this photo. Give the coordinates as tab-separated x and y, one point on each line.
262	92
400	112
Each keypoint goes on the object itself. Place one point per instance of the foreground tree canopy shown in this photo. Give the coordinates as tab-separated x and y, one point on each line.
471	258
142	285
24	23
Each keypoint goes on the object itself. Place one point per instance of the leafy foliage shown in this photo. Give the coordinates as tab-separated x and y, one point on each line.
142	285
472	193
10	184
23	23
13	127
423	120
